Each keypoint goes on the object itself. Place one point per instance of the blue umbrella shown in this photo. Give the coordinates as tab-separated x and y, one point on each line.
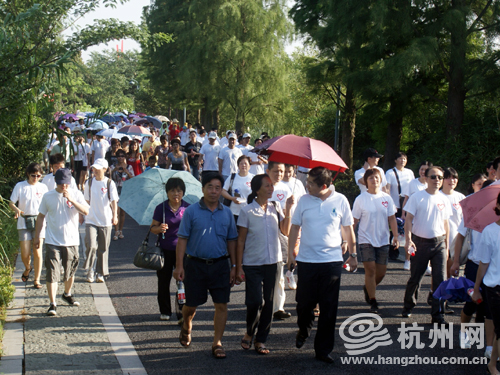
120	114
110	118
155	121
140	195
454	290
108	133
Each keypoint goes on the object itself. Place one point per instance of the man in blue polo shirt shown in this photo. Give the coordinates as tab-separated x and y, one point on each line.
207	239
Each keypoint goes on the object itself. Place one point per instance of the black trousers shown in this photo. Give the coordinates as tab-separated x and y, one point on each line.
318	283
164	277
494	305
259	294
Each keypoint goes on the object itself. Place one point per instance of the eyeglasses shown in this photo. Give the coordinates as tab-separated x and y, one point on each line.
434	177
36	175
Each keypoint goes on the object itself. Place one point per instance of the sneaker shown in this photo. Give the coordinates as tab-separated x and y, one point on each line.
465	342
487	351
374	307
428	271
100	278
90	277
164	317
406	267
70	300
367	297
52	311
406	313
430	298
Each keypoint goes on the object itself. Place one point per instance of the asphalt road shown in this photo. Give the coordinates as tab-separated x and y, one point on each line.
133	292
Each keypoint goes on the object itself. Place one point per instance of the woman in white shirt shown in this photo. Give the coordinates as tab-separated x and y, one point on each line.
374	211
239	186
415	185
449	184
258	252
28	195
488	273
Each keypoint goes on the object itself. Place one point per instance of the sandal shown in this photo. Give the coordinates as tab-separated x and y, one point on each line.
185	337
218	352
37	285
261	349
246	344
316	312
115	237
120	236
24	277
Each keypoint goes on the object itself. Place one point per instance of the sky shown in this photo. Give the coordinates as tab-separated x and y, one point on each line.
131	11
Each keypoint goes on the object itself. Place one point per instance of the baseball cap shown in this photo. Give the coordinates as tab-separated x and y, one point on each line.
212	135
100	164
231	136
247	135
229	131
63	176
370	153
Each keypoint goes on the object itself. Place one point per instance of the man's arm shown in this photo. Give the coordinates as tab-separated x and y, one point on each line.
447	234
82	208
349	236
114	210
292	240
459	241
231	249
180	250
220	165
481	271
408	228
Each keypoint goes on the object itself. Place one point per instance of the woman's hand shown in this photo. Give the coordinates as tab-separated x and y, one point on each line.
240	275
163	227
290	202
235	200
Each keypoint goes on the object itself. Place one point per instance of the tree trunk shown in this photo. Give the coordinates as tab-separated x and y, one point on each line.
240	121
198	116
215	118
169	112
394	134
456	87
348	128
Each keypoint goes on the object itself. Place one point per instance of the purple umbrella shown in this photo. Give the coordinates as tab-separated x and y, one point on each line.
70	115
454	289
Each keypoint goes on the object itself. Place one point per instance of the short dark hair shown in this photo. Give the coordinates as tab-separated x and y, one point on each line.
124	139
272	164
56	159
369	172
256	140
152	158
489	165
450	172
321	176
243	157
433	167
175	182
120	152
114	141
496	162
289	165
203	131
163	138
400	154
174	141
32	168
211	176
497	211
425	162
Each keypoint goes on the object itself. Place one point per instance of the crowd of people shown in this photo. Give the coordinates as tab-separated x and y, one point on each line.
256	220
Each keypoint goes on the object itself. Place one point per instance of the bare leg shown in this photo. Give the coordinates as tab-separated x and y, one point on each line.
188	314
370	282
380	270
492	365
52	291
26	254
37	261
489	331
68	285
220	318
121	219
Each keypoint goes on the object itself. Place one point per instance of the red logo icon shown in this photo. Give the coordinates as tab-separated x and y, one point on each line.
385	204
440	206
280	196
104	190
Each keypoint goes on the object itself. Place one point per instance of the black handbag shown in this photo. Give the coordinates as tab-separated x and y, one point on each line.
149	257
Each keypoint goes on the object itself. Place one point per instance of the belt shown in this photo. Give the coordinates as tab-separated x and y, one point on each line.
429	240
208	261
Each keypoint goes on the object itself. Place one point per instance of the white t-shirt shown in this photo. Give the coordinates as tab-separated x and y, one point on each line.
100	213
414	186
50	182
61	218
229	157
256	168
262	244
280	194
210	157
429	213
244	189
474	244
296	187
223	142
28	198
372	211
405	177
100	148
245	149
361	172
206	141
456	217
81	152
488	253
321	222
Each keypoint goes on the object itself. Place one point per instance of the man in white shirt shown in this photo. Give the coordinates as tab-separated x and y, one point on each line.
228	158
61	207
102	196
398	179
184	134
326	220
244	146
295	186
99	147
427	234
56	162
57	148
210	155
281	192
371	158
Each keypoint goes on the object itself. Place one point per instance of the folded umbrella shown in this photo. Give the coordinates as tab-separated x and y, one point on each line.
454	289
141	194
478	208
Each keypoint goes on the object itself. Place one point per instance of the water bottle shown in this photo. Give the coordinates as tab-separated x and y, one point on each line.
181	293
470	292
347	267
124	176
411	250
237	193
290	278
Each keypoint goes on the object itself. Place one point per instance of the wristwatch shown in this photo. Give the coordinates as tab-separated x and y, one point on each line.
233	265
354	255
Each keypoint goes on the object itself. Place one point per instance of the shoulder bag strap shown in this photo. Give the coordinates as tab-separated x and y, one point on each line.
397	179
230	190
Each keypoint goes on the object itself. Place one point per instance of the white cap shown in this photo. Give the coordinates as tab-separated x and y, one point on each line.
100	164
232	135
247	135
229	131
212	135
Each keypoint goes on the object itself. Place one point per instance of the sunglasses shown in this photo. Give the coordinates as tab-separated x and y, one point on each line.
434	177
36	175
